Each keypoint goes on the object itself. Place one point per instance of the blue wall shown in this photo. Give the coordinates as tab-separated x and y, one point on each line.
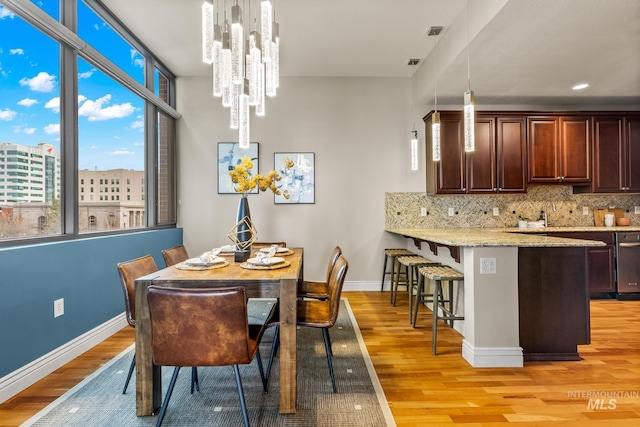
83	272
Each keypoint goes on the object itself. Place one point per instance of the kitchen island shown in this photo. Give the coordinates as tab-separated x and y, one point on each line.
533	306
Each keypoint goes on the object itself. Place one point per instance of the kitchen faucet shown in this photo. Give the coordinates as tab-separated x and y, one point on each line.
553	206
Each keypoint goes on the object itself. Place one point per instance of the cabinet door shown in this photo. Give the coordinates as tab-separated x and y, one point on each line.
511	155
481	163
575	156
632	149
450	169
608	152
543	149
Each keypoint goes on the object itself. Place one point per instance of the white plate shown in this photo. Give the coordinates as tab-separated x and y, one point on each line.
197	262
278	250
272	261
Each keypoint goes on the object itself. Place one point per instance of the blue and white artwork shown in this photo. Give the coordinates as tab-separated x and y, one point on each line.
230	155
298	177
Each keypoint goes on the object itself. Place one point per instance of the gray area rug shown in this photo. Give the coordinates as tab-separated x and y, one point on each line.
98	400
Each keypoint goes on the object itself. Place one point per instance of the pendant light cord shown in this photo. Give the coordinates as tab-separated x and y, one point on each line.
435	86
468	42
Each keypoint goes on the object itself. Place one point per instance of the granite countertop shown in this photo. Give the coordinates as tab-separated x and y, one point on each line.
472	237
552	229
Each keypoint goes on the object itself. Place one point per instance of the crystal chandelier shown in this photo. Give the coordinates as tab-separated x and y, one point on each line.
245	63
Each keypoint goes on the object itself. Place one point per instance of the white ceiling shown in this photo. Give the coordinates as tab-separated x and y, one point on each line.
521	51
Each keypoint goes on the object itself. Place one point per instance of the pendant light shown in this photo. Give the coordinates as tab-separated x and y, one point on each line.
414	132
469	103
435	117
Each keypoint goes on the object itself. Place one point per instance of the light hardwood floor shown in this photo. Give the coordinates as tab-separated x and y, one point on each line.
426	390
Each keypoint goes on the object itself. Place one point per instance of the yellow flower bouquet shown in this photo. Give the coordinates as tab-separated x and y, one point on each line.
244	182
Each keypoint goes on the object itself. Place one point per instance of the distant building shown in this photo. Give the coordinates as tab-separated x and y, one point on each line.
30	192
29	174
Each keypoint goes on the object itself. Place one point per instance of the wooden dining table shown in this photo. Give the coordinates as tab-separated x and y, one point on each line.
259	283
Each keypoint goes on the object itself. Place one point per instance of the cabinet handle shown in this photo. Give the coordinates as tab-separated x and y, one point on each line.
628	245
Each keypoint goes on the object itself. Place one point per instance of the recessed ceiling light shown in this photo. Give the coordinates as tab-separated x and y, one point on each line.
581	86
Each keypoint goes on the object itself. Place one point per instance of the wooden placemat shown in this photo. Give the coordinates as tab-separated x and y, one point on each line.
289	252
184	266
265	267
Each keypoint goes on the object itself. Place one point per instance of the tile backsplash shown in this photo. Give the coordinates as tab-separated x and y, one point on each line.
564	209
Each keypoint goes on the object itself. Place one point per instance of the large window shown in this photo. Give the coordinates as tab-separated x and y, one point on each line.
30	178
95	114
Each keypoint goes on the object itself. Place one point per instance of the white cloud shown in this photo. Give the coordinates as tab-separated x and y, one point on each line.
52	129
5	13
43	82
53	104
86	74
29	131
16	51
139	123
98	111
27	102
122	153
7	115
137	59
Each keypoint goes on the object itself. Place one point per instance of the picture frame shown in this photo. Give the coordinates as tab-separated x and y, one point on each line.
229	155
297	170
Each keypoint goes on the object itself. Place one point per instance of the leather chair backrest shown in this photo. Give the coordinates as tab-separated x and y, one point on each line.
129	272
175	255
199	326
334	286
332	260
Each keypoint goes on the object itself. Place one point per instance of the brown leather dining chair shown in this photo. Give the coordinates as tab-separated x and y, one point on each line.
318	289
175	255
216	332
313	313
129	272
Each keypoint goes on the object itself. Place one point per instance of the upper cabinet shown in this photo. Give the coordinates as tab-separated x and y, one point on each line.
616	154
559	149
497	165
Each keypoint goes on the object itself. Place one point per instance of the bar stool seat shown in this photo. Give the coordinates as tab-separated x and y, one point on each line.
441	274
411	263
391	254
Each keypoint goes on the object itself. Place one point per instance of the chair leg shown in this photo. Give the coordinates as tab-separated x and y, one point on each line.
437	295
274	349
243	404
418	298
261	369
126	383
195	383
384	272
163	409
327	346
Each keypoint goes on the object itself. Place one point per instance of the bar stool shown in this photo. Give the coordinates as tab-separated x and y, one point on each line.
411	263
391	255
441	274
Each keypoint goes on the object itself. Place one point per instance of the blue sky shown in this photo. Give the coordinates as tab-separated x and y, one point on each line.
111	131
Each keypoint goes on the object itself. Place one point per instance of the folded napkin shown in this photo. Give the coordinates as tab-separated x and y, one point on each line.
265	257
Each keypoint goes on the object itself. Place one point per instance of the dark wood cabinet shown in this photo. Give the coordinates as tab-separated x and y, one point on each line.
600	261
616	154
450	170
496	165
559	149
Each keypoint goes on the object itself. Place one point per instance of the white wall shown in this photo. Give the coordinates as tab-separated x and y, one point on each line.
359	130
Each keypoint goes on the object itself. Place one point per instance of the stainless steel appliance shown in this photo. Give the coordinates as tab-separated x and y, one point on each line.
628	265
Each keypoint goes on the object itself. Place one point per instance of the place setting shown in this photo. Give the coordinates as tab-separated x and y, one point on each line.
207	261
265	259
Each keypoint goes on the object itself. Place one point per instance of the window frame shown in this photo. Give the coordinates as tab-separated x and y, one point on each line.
71	48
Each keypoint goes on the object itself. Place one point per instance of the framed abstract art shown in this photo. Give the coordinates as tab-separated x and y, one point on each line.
298	177
230	155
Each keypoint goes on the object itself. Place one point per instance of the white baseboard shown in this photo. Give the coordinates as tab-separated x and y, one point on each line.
20	379
363	286
492	357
